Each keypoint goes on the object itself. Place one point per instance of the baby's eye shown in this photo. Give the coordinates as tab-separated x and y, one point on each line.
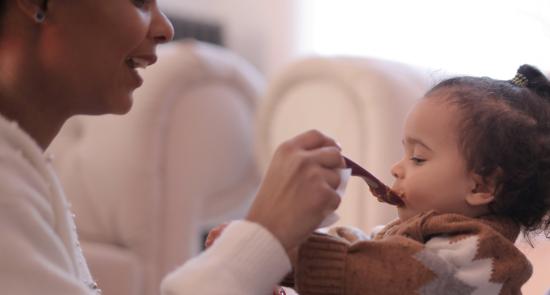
417	160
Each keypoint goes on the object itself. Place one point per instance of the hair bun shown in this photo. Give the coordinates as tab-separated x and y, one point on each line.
536	80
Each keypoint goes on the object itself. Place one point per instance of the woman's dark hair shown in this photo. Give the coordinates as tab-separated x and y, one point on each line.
2	7
504	132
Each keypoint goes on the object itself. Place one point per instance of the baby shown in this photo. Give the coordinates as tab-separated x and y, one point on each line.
475	172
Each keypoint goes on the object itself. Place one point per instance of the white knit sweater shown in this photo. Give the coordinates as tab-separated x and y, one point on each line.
245	260
39	250
40	254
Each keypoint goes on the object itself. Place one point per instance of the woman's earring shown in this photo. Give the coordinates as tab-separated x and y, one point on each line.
40	16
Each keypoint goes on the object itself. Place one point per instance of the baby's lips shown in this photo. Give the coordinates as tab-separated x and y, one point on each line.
400	195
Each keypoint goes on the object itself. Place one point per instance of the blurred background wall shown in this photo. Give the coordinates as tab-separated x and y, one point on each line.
261	31
489	37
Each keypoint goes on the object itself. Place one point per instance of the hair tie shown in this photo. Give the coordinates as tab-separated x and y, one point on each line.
520	80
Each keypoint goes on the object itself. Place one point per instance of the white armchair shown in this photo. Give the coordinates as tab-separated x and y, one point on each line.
144	186
539	255
361	102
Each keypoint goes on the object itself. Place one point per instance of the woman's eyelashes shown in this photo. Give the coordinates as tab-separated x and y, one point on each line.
140	3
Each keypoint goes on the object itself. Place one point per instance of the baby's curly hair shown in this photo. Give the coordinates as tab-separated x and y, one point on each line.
504	131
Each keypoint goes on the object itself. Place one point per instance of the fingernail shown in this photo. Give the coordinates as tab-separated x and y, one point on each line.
339	145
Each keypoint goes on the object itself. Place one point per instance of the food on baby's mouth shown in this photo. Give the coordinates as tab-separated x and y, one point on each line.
381	191
390	197
385	195
395	198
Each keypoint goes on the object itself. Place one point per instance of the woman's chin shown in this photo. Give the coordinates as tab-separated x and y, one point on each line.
121	110
122	105
117	105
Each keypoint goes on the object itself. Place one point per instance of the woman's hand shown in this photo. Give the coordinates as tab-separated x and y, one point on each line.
299	188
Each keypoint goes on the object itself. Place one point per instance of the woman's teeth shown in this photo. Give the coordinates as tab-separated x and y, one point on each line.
135	62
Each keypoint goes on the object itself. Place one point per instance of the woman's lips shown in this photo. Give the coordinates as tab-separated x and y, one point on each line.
136	79
139	62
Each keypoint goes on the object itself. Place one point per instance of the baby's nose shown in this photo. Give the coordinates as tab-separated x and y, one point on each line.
397	170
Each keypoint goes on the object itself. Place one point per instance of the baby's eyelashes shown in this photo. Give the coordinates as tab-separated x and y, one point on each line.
417	160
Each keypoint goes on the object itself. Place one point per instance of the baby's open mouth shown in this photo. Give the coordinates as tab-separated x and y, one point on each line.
394	198
389	196
381	191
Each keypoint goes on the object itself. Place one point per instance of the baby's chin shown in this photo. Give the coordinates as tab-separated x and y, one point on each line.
405	213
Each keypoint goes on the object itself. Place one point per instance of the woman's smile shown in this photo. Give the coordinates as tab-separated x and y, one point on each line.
139	62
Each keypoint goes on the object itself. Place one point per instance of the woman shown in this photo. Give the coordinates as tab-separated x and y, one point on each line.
59	58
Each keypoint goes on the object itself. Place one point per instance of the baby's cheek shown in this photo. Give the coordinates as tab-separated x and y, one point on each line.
419	199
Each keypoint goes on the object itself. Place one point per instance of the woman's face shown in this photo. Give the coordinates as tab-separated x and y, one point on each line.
90	50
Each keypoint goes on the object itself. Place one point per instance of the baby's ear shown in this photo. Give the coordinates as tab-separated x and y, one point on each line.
483	191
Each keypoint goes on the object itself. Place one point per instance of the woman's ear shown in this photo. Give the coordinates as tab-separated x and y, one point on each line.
483	191
34	9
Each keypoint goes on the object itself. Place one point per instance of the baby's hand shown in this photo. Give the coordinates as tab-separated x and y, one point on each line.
348	233
214	234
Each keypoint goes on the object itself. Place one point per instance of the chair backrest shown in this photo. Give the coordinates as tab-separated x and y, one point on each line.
179	161
361	102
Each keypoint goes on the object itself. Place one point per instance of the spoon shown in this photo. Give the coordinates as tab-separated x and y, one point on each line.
378	189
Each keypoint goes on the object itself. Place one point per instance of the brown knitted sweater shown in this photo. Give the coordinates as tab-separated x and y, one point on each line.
430	253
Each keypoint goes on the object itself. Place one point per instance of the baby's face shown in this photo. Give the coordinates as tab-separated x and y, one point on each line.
432	174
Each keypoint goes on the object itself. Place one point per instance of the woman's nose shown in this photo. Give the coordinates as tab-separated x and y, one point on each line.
161	30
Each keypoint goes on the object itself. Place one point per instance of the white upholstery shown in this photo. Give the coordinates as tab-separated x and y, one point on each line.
539	255
145	185
361	102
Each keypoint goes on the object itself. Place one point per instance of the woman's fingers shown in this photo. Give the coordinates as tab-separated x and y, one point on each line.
323	175
329	157
313	139
333	200
299	188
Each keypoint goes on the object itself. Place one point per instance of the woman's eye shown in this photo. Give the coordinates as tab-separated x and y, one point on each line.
140	3
417	160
